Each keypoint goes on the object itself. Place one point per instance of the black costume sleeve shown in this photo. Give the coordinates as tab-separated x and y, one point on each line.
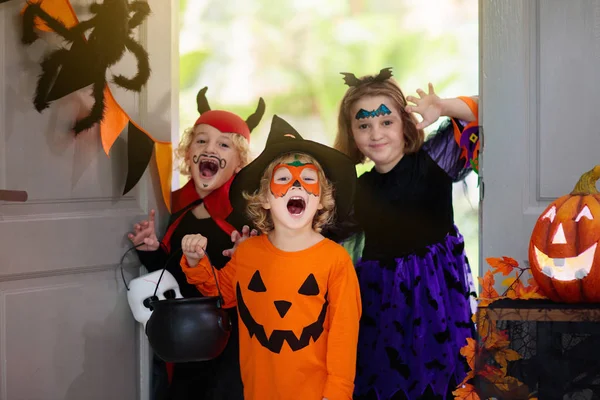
238	219
342	229
153	260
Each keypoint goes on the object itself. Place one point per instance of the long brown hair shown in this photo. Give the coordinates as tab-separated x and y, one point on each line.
370	86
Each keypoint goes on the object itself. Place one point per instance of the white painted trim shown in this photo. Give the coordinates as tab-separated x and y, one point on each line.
153	33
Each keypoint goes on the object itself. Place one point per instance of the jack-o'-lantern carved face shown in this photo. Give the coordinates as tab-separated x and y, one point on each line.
284	309
563	249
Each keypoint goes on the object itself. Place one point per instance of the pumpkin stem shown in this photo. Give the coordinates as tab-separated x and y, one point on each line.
587	183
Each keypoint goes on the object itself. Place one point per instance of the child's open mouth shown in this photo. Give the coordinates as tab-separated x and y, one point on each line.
296	205
208	167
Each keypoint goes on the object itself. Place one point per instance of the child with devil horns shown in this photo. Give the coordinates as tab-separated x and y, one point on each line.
211	152
415	278
296	291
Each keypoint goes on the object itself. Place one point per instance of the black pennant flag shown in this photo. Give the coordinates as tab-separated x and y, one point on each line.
139	153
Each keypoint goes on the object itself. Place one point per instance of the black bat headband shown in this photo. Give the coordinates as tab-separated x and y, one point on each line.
351	80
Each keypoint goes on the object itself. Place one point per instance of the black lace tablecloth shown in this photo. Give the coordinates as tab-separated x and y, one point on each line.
558	347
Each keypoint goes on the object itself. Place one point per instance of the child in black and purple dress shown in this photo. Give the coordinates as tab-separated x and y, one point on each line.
414	275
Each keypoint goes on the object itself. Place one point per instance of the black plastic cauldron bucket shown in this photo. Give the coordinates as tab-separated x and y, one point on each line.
188	329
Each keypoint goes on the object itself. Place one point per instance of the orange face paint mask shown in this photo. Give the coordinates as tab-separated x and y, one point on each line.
294	178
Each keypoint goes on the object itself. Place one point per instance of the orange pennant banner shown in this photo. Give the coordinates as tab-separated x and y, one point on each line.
59	9
163	152
114	121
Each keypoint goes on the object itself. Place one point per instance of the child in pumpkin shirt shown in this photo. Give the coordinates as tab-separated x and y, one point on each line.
297	293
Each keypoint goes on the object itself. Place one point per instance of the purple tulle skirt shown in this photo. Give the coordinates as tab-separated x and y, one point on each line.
416	316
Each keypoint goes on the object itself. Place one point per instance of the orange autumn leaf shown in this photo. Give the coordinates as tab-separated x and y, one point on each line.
470	375
466	392
529	292
492	374
487	286
503	356
508	281
515	288
484	323
509	383
484	302
503	333
469	351
496	341
504	265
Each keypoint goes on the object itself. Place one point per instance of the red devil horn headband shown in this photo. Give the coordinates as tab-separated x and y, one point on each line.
226	121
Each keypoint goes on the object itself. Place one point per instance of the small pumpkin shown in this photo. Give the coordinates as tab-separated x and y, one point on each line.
563	250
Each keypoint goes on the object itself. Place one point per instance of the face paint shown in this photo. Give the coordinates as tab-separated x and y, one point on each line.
293	177
222	162
382	110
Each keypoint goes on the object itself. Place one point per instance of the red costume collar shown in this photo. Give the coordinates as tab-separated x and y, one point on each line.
216	203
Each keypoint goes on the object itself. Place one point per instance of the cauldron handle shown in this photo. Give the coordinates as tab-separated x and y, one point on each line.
220	302
121	264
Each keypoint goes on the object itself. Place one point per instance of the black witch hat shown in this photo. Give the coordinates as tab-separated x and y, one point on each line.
283	138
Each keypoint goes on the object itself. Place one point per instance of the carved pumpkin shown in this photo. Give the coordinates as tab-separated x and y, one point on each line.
563	254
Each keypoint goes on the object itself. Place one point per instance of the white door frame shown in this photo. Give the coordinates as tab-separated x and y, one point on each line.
162	43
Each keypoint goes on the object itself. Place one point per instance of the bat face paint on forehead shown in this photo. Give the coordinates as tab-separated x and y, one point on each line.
381	110
295	177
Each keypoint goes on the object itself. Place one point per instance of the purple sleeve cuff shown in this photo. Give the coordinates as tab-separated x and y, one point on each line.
443	148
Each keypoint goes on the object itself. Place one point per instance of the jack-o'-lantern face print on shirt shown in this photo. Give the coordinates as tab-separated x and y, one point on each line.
291	312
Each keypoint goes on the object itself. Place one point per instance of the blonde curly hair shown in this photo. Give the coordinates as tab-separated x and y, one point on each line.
261	217
239	142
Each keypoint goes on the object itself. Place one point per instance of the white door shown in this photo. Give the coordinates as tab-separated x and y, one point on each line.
66	332
540	101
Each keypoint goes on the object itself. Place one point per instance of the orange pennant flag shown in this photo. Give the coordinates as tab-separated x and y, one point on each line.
114	121
59	9
163	152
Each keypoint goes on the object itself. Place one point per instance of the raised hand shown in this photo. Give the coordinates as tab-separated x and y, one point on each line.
237	238
145	232
194	248
428	105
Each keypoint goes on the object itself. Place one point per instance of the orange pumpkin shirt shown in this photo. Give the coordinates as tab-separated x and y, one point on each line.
299	314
